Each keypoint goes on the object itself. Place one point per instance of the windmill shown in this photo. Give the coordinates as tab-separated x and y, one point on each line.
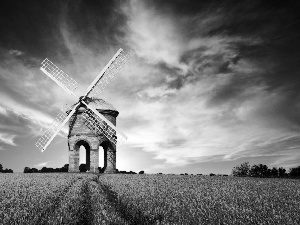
94	120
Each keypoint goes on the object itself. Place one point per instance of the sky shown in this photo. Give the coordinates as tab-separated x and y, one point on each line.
209	85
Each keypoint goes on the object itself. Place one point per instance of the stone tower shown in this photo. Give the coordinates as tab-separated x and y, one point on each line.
80	134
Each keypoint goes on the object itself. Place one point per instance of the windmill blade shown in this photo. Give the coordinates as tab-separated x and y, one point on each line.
59	76
60	120
108	72
99	124
99	127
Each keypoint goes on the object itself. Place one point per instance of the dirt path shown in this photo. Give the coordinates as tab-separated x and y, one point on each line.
85	213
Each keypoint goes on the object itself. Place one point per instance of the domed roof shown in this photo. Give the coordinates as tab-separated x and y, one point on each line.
101	106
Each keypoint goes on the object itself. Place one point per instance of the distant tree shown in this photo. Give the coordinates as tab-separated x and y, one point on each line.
294	172
242	170
282	172
45	170
101	170
212	174
7	171
260	170
82	168
1	168
34	170
65	168
254	171
265	171
141	172
27	170
274	172
131	172
58	170
186	174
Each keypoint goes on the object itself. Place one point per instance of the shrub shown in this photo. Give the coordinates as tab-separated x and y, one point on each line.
295	172
242	170
82	167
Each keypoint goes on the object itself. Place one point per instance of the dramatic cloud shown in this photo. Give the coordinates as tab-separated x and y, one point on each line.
206	82
201	99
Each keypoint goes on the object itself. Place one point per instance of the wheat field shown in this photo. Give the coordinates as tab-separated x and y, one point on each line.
146	199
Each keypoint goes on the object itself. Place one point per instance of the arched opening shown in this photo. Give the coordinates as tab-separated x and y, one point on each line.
84	155
104	145
101	156
108	157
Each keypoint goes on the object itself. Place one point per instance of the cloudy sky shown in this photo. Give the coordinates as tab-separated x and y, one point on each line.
209	84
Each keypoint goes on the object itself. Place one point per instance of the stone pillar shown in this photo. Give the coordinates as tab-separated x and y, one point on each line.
73	161
88	158
94	154
110	160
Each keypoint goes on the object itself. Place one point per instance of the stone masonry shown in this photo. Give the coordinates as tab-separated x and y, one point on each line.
80	134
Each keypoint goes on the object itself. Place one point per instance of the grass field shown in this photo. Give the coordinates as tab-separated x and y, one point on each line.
146	199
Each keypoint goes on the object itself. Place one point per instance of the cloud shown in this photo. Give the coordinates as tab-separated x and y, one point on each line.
152	35
15	52
7	139
3	111
42	164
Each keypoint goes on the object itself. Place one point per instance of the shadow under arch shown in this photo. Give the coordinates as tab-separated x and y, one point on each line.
87	147
109	155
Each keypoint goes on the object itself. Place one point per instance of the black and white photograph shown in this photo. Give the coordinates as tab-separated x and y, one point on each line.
149	112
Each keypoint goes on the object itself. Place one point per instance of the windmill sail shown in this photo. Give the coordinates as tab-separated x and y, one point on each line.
59	76
99	126
60	120
108	73
99	123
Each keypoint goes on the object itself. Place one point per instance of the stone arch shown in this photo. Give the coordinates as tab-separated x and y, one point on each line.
87	147
81	140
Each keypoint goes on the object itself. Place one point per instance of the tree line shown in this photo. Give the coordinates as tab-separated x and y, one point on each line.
261	170
5	170
82	168
65	168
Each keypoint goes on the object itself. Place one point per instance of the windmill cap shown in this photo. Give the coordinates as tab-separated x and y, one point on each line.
101	106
